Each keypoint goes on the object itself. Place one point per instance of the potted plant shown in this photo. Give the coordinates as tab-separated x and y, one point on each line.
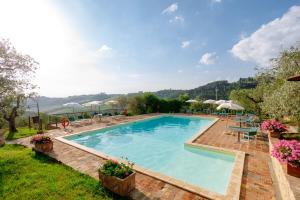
42	143
288	151
274	127
117	177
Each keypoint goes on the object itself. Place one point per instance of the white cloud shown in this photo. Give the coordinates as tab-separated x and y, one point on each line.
266	42
171	9
180	71
105	52
185	44
104	48
208	58
216	1
177	19
243	35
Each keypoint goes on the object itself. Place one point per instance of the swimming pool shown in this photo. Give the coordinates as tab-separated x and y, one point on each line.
157	144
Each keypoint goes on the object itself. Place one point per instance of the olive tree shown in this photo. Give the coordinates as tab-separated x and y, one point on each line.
283	97
250	99
16	73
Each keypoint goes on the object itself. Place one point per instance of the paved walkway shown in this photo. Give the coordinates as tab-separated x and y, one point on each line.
256	184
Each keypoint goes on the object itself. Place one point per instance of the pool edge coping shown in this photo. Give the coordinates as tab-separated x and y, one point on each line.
233	187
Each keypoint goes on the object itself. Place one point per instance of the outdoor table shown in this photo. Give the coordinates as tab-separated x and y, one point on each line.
241	120
243	129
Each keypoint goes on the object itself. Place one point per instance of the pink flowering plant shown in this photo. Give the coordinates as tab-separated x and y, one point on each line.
114	168
273	125
40	139
287	151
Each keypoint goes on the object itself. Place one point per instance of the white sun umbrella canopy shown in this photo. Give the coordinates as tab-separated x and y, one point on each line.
230	106
111	102
91	103
209	101
72	105
219	102
192	101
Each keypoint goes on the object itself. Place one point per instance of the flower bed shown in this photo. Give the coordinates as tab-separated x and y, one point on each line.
288	152
274	127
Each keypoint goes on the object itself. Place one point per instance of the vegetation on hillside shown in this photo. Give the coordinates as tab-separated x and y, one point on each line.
208	91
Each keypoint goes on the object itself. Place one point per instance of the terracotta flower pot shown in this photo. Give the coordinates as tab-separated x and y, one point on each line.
44	147
119	186
274	134
293	171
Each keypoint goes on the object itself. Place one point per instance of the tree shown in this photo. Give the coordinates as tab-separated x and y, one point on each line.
151	103
250	99
281	97
122	101
2	140
184	97
16	72
136	105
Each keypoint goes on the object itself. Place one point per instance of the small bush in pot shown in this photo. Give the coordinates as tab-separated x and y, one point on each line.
42	143
288	151
117	177
274	127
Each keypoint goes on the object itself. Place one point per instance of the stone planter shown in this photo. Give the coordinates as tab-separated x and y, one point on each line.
119	186
293	171
44	147
274	134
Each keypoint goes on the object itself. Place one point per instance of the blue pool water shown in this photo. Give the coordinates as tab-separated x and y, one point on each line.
158	144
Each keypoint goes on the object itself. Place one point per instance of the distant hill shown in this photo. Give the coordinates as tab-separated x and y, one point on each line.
223	88
208	91
54	105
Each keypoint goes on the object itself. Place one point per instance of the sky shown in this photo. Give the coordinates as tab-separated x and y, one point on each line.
93	46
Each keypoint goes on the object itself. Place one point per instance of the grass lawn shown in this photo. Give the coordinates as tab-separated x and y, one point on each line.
22	132
27	175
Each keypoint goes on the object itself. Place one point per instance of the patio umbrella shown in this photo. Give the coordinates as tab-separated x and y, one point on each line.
91	103
209	101
230	105
219	102
192	101
111	102
72	105
210	108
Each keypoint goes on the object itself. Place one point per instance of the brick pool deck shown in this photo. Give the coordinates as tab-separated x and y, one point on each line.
256	182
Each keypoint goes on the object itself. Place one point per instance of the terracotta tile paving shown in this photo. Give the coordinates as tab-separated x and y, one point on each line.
256	182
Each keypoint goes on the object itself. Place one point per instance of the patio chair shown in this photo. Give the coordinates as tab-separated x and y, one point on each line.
251	135
71	119
249	132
